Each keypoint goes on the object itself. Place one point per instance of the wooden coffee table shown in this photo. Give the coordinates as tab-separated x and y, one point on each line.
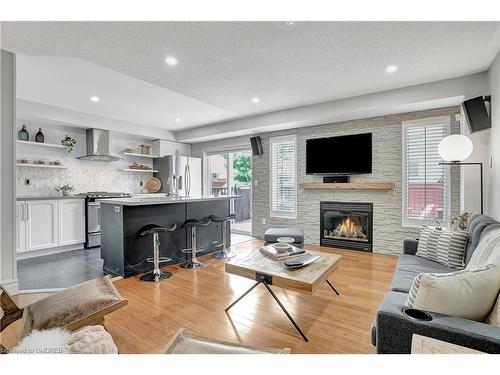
268	271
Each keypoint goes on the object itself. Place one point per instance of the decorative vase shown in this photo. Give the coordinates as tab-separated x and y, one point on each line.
145	149
66	193
39	137
23	134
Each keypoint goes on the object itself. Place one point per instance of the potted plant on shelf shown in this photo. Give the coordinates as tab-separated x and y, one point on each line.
69	143
66	189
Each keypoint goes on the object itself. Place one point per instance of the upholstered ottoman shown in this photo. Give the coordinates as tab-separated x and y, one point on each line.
272	235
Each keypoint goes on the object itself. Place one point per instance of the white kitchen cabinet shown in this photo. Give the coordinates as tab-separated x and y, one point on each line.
162	148
20	226
45	224
71	221
184	149
41	224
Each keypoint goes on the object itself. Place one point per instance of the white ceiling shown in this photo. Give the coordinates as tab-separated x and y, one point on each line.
70	82
222	65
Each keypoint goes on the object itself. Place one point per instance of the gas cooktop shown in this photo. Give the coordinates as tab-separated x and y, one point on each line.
105	194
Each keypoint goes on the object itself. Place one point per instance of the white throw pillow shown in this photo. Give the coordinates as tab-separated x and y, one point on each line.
442	245
464	294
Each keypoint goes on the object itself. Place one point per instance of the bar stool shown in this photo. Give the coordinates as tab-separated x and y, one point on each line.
156	275
192	224
224	252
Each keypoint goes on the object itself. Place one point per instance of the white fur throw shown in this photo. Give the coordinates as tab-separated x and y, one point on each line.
50	341
87	340
487	251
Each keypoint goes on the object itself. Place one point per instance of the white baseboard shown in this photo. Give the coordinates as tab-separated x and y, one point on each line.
52	250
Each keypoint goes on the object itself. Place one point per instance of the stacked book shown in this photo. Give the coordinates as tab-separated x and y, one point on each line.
269	250
299	256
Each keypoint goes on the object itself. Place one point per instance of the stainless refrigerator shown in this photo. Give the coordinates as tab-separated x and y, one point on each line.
181	173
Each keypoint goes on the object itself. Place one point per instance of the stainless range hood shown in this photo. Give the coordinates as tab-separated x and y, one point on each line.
98	146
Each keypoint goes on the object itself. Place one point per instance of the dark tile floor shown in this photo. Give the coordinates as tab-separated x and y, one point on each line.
59	270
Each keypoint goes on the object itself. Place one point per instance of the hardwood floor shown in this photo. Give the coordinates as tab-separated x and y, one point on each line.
196	300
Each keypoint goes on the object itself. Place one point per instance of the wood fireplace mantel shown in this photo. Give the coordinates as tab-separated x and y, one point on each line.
349	185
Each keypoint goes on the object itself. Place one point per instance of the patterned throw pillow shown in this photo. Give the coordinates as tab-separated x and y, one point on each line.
464	294
442	245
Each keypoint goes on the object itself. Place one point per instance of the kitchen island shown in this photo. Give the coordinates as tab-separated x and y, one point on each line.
124	251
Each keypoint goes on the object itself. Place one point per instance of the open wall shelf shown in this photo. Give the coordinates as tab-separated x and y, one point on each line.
38	144
40	166
140	155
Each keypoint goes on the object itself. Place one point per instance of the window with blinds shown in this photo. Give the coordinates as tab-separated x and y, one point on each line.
426	192
283	177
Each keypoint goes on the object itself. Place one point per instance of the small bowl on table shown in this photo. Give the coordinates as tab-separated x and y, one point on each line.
281	247
287	240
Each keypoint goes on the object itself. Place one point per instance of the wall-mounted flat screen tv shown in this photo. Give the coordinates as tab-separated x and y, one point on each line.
344	155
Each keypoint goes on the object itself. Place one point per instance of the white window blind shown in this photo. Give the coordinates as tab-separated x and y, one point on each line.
283	176
426	197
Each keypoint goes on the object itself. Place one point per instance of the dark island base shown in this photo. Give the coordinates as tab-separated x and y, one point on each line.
124	251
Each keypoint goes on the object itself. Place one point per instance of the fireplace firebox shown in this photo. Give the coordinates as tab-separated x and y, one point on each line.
347	225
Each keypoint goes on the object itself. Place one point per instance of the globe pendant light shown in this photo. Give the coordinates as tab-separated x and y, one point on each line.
455	148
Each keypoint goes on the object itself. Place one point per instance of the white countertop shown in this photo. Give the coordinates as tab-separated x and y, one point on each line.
145	201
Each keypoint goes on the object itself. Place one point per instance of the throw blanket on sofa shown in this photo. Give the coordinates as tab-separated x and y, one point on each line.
487	251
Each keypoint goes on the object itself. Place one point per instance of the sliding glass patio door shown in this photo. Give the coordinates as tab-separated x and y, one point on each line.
230	172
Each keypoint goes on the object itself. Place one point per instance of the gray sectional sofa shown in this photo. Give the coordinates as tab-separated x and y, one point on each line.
392	329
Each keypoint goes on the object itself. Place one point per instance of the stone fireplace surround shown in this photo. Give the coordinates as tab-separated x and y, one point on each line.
388	231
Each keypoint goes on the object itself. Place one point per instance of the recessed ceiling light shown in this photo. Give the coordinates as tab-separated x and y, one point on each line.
177	119
255	100
391	69
290	23
94	99
171	61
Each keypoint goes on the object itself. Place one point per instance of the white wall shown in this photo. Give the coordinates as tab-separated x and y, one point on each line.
494	139
8	271
470	194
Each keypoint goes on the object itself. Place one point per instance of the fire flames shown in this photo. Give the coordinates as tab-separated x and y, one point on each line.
348	228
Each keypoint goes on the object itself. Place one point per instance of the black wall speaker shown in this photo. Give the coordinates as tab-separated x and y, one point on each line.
477	114
256	143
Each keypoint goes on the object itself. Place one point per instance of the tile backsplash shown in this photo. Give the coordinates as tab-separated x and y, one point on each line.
45	180
83	175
